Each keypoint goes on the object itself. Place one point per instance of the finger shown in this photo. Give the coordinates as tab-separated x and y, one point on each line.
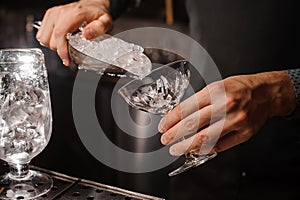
45	31
59	41
207	138
232	139
44	37
62	51
203	140
97	27
190	105
190	124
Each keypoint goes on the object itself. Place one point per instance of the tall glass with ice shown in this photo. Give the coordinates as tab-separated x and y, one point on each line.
25	121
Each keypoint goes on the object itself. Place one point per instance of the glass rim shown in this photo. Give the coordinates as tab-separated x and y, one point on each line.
36	51
123	91
158	68
29	49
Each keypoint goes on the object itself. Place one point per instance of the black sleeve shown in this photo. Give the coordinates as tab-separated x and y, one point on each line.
295	77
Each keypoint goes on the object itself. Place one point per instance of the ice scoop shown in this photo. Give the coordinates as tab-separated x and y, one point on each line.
107	55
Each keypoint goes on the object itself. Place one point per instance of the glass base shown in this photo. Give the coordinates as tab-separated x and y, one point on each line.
192	160
30	187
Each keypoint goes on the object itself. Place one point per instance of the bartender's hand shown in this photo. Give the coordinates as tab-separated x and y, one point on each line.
60	20
239	112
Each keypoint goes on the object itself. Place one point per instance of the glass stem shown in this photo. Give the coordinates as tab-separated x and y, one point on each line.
19	171
189	155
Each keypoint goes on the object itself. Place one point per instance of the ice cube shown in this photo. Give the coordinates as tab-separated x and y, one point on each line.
27	70
113	51
134	62
166	84
15	115
22	144
3	127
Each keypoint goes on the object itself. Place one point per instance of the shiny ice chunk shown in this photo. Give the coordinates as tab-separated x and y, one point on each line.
134	62
114	51
24	110
160	96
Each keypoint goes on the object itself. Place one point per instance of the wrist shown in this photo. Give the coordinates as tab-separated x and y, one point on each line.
278	89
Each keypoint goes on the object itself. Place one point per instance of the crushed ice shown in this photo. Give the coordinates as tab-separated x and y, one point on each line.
114	51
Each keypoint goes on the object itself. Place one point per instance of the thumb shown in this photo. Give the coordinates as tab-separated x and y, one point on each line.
97	27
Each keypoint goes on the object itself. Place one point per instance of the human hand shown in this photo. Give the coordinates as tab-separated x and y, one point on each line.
60	20
227	113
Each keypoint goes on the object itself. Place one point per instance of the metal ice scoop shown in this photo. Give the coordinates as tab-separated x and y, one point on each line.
107	55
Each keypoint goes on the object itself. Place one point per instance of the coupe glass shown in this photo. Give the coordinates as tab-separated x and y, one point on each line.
158	93
25	121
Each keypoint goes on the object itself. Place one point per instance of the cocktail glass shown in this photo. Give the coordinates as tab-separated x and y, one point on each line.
158	93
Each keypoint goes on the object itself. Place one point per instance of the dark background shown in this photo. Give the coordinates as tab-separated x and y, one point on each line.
266	167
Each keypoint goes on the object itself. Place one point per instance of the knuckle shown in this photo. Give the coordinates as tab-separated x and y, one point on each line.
216	87
101	25
231	103
78	11
204	93
78	7
51	10
107	25
59	33
178	112
107	19
55	11
245	135
242	116
169	137
199	140
52	45
190	124
213	86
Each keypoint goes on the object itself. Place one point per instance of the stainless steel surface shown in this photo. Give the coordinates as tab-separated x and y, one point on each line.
67	187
